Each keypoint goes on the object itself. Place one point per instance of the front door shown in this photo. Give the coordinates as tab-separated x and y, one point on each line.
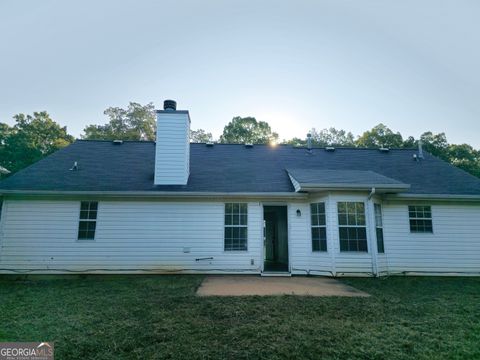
275	239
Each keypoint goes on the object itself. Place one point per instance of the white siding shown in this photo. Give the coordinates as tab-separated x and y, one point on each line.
303	259
130	236
168	236
454	245
172	148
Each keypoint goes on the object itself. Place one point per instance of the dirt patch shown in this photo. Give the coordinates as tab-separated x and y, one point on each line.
232	285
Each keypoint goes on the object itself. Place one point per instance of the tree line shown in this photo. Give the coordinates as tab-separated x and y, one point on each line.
36	136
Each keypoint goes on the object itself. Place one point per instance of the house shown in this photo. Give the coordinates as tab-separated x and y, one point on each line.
174	207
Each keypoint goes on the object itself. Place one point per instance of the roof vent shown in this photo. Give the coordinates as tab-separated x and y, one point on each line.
170	105
330	149
74	167
209	144
420	149
117	142
249	145
384	149
309	141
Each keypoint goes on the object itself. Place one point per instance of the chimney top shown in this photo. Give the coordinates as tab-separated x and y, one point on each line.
170	105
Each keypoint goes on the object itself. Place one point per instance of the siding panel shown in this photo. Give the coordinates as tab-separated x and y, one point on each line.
453	247
130	236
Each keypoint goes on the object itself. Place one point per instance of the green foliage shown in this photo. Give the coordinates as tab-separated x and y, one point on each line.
136	122
435	144
327	137
30	139
465	157
380	136
333	137
247	130
200	136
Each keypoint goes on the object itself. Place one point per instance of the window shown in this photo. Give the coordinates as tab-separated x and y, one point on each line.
88	220
352	228
379	228
420	219
235	227
319	228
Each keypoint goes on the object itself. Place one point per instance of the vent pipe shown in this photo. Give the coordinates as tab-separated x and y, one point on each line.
74	167
420	149
309	141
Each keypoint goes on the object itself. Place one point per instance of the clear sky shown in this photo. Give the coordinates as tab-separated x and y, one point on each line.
413	65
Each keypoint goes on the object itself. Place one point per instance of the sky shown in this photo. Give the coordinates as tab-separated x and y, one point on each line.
412	65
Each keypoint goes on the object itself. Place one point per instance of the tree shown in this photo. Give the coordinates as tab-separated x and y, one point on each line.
200	136
5	131
435	144
465	157
248	130
30	139
137	122
332	137
326	137
380	136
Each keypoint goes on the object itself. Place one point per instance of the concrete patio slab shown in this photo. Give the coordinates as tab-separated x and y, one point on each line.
238	285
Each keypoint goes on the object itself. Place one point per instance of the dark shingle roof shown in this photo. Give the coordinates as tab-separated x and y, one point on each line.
104	166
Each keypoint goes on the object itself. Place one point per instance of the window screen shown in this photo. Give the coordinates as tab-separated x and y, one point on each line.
420	219
319	227
88	220
236	215
352	226
379	228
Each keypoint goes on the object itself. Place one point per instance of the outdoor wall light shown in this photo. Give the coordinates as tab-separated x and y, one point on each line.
299	213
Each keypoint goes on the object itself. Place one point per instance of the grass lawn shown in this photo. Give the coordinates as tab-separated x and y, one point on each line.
158	317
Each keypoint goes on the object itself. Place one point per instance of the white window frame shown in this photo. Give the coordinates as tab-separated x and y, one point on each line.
225	226
379	225
353	226
319	226
80	220
420	218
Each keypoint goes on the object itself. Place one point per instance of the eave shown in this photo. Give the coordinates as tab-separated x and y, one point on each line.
155	194
433	197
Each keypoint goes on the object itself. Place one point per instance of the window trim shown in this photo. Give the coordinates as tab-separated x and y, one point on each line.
234	226
2	209
356	226
379	206
318	226
420	218
89	220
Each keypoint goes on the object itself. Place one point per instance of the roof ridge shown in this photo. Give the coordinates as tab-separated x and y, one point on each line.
262	145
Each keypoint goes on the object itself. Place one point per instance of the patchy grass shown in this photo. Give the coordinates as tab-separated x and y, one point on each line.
157	317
